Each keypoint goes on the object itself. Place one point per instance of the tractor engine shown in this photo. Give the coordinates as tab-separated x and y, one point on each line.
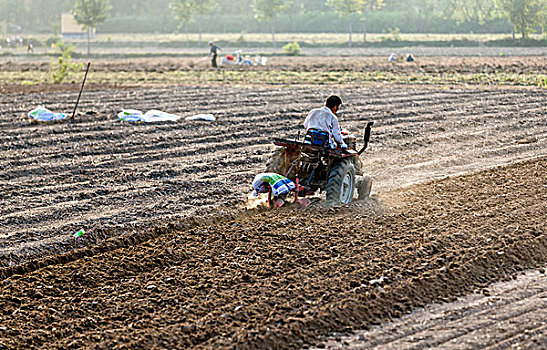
349	139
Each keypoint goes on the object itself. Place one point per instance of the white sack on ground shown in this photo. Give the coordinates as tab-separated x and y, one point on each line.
42	114
152	116
206	117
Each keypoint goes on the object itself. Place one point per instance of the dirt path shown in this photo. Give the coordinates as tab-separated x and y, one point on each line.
122	52
108	177
439	64
528	71
507	315
282	279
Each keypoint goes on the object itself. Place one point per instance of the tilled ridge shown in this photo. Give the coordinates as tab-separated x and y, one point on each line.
506	315
99	174
282	279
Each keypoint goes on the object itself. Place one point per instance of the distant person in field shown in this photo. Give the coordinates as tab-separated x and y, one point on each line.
215	50
325	119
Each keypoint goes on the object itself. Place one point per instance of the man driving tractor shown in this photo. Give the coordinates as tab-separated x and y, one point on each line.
326	160
325	119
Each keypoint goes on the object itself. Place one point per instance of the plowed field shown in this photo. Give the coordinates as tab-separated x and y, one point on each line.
98	174
470	64
507	315
281	279
171	259
285	71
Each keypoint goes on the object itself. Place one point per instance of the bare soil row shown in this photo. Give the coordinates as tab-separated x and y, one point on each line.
107	177
436	64
506	315
282	279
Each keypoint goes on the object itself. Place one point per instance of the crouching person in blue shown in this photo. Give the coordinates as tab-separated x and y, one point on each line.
279	187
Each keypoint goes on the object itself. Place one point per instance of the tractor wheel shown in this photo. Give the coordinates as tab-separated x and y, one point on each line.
341	183
276	162
358	164
364	187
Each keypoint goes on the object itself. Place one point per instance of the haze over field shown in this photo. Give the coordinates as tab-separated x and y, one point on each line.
247	16
131	132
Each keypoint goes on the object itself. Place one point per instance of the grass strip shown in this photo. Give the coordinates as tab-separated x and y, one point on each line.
287	78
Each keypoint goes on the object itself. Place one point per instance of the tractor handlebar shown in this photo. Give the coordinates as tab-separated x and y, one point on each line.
366	138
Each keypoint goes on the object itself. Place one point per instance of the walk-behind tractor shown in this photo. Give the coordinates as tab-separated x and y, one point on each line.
314	166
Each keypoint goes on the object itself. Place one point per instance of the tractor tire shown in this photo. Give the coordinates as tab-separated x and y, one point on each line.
364	187
358	164
276	162
341	183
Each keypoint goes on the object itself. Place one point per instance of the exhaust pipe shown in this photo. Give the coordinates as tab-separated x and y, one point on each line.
366	138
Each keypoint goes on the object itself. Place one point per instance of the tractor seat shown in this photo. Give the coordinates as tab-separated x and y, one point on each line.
317	137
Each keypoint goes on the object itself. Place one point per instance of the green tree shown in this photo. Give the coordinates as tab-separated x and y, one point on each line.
12	12
184	11
523	14
202	7
234	7
369	6
542	19
473	11
33	15
269	10
63	66
345	9
89	13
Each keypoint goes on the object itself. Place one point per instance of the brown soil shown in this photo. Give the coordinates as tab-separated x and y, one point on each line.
281	279
104	176
169	259
506	315
437	64
427	65
41	88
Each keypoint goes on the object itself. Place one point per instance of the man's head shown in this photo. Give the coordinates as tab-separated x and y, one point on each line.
333	103
211	43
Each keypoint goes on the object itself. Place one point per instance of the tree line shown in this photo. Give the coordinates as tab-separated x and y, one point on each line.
524	16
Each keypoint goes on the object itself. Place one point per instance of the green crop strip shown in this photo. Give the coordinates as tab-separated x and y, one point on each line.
278	77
